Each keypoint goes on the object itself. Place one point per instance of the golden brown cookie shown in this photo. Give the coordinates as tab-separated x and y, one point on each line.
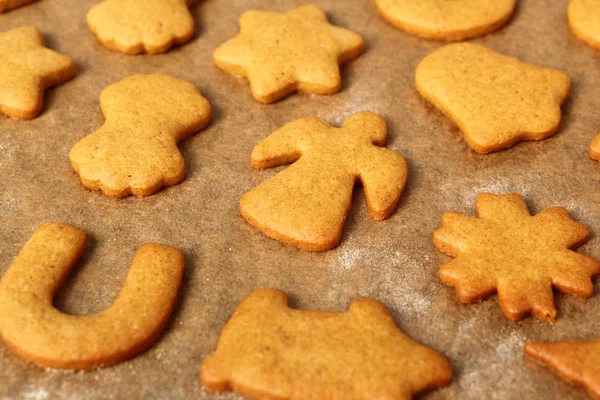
27	68
522	257
306	204
137	26
447	19
584	20
6	5
35	330
576	361
495	100
595	148
270	351
281	53
135	152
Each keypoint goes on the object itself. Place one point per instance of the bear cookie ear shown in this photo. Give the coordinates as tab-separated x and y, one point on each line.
268	350
35	330
141	26
135	151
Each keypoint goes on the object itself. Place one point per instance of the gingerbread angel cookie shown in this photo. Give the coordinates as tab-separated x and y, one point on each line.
495	100
522	257
270	351
27	68
135	152
306	204
281	53
34	329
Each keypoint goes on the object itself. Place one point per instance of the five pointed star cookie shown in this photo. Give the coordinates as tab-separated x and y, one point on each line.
520	256
495	100
281	53
584	20
137	26
26	69
269	351
577	361
6	5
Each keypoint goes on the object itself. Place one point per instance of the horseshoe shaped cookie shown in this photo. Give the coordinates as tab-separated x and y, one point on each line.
135	152
35	330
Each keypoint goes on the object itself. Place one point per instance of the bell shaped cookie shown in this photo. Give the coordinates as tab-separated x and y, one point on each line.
495	100
281	53
306	204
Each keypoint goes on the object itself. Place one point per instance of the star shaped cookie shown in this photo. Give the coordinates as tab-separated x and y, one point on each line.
137	26
269	351
577	361
281	53
522	257
584	20
27	68
447	19
495	100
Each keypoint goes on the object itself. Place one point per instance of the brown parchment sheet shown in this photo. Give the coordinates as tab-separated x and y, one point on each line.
393	261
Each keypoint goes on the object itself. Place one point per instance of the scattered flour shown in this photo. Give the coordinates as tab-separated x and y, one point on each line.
38	394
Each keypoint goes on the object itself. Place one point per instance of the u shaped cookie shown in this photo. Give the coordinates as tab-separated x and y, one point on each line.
35	330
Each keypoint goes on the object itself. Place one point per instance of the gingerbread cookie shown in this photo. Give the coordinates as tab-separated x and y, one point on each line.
137	26
270	351
447	19
135	152
522	257
584	20
495	100
306	204
6	5
27	68
281	53
577	361
35	330
595	148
